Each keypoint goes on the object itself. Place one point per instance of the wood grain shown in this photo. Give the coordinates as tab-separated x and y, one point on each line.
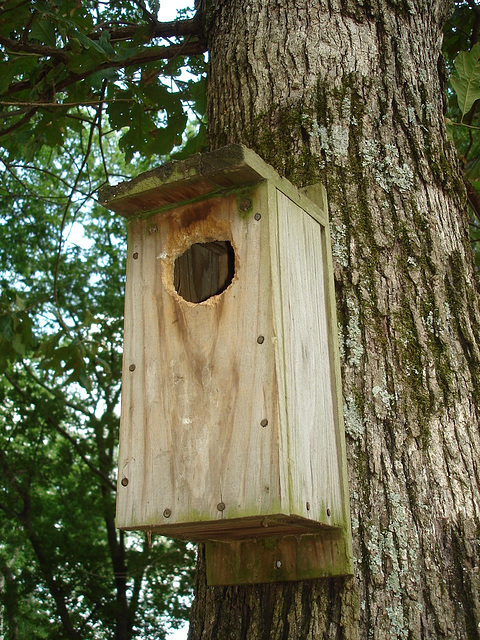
285	558
231	404
191	435
314	473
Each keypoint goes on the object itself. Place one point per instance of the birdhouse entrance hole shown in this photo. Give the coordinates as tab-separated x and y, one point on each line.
204	270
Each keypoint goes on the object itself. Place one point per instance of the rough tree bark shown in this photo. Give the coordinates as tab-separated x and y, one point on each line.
349	93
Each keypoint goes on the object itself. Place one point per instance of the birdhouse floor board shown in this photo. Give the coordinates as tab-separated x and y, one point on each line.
237	528
289	558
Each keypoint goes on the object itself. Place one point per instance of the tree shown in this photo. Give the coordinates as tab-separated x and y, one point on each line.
350	94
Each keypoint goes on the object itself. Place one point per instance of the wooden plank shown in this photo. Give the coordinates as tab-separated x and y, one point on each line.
231	426
199	176
314	473
273	559
198	381
236	528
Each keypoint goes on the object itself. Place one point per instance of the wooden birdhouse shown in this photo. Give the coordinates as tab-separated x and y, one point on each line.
231	424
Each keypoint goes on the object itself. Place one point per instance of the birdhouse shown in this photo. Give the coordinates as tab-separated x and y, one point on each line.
231	426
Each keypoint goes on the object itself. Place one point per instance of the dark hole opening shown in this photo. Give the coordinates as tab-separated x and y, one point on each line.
204	270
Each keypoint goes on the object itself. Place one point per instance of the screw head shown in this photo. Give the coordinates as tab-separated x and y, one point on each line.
135	255
132	367
260	339
221	506
124	482
264	422
257	216
167	513
245	204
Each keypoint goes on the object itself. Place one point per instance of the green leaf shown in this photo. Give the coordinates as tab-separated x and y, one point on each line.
88	43
18	67
198	92
104	43
86	60
142	34
43	30
120	113
6	77
162	97
193	145
96	79
467	84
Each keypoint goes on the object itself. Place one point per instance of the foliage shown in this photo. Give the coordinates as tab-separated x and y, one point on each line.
90	92
70	574
60	55
462	53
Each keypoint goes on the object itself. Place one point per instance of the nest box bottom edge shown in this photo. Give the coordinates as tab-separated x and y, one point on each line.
235	528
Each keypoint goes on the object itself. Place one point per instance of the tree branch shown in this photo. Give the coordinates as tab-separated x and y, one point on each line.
35	49
105	479
19	123
473	197
54	392
63	432
62	225
148	55
87	103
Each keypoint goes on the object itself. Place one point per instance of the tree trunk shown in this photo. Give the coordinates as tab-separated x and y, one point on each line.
349	93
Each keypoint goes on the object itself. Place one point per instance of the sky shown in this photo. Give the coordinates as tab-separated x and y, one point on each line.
168	8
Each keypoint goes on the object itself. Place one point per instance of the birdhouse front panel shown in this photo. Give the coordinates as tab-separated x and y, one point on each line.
200	438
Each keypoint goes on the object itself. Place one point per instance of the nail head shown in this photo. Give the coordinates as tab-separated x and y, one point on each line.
308	506
135	255
132	367
124	482
245	204
264	422
167	513
153	229
221	506
260	339
329	512
257	216
278	564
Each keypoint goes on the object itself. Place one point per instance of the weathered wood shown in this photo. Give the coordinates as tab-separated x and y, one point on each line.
233	168
191	436
302	557
231	423
238	528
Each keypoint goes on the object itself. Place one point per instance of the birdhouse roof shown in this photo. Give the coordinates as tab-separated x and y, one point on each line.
181	181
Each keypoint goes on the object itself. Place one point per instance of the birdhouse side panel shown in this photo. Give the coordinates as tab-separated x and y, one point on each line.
314	473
